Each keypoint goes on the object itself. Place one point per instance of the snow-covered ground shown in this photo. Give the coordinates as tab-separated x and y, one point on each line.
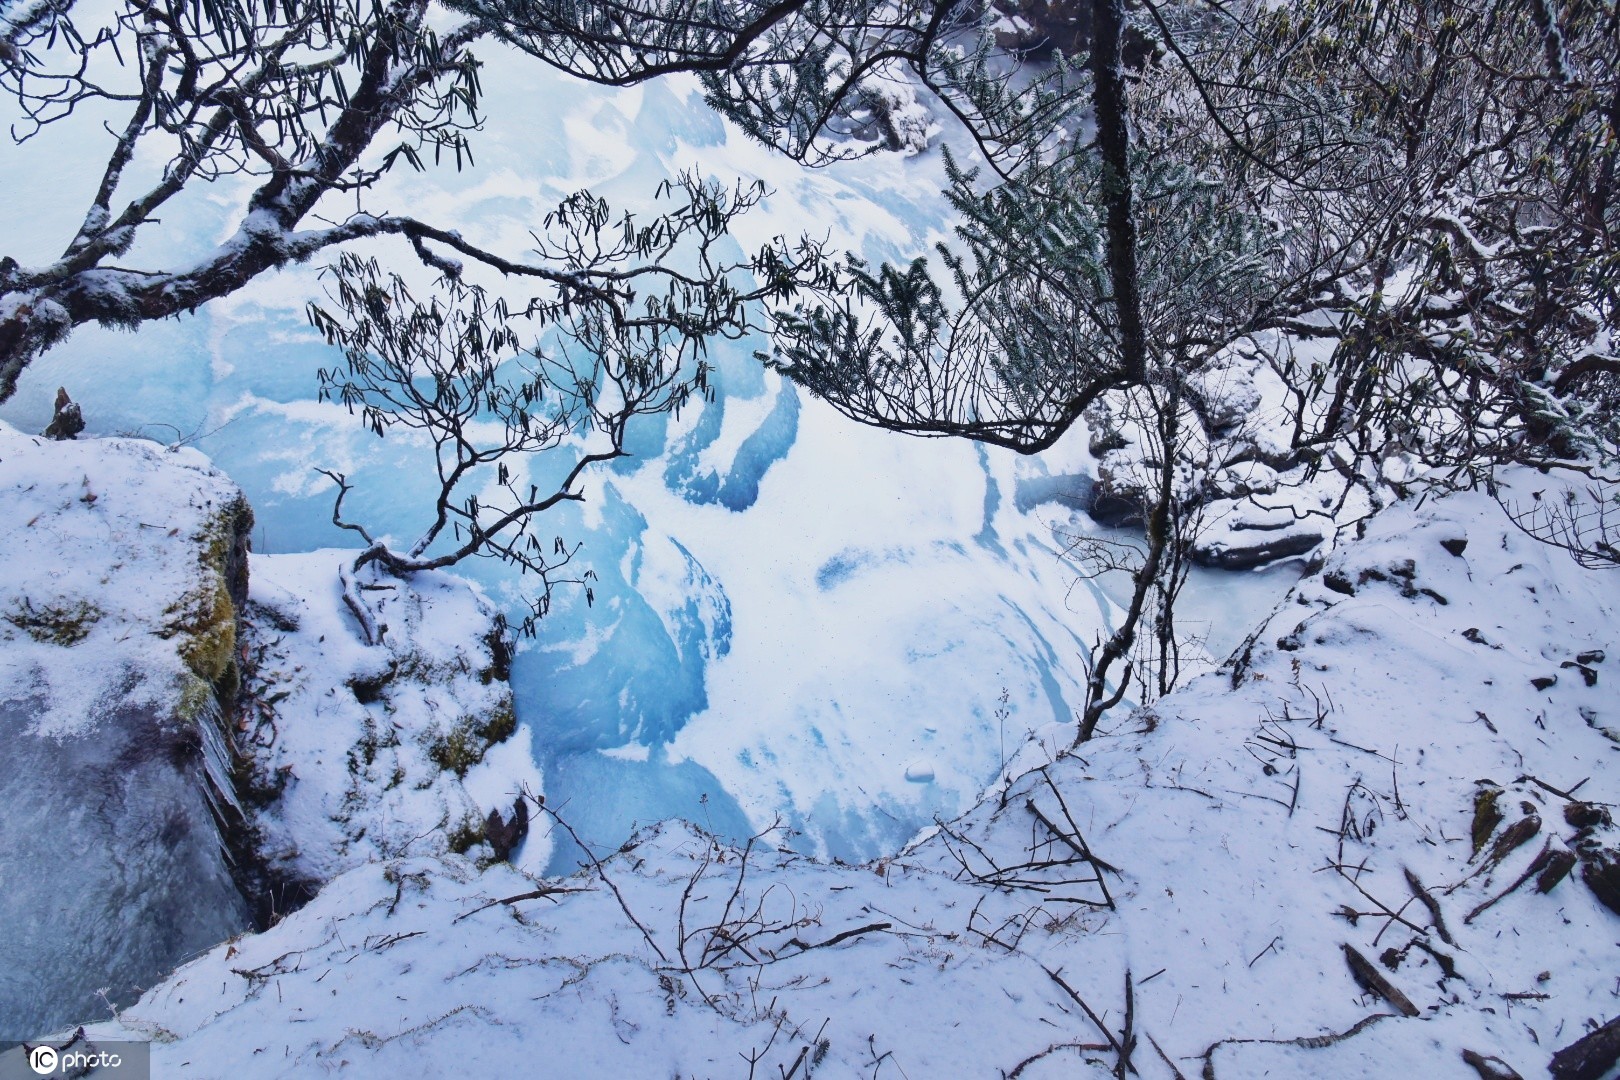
804	621
1192	884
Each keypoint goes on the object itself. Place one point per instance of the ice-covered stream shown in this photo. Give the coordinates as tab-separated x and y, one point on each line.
795	615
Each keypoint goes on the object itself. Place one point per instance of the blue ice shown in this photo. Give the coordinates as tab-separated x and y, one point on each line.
616	671
604	798
604	684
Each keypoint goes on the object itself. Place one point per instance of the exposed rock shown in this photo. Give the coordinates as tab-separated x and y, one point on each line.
1487	814
1554	869
1515	836
1584	815
1116	497
1599	853
119	602
1233	550
154	808
1114	511
68	419
1588	675
505	836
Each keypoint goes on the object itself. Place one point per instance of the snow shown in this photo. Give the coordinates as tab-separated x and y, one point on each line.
347	731
1331	769
75	514
804	622
109	554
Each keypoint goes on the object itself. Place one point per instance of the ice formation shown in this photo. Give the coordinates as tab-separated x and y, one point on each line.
791	610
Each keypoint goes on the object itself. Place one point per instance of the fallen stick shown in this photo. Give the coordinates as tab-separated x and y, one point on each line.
836	938
1552	865
1309	1042
1165	1057
518	899
1427	899
1370	977
1113	1043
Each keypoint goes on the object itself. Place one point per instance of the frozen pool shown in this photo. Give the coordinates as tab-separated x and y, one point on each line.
796	617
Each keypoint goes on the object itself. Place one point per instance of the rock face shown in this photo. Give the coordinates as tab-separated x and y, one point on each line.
122	572
1244	545
114	868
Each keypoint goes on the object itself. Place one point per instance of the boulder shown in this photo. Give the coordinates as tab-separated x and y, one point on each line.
122	572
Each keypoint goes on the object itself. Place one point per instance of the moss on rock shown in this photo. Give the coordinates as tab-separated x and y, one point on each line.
465	836
53	624
469	739
206	619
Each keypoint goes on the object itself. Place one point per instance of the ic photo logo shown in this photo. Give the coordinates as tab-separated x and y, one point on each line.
131	1060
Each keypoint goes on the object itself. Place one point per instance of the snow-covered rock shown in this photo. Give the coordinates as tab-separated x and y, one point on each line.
188	755
368	752
122	569
1243	533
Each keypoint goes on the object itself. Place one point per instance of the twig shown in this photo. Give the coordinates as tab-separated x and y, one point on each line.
1427	899
547	893
1127	1039
1064	806
601	872
1542	860
788	1075
1018	1070
1079	847
1363	749
1164	1057
836	938
1309	1042
1395	781
1394	916
1566	795
1113	1044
